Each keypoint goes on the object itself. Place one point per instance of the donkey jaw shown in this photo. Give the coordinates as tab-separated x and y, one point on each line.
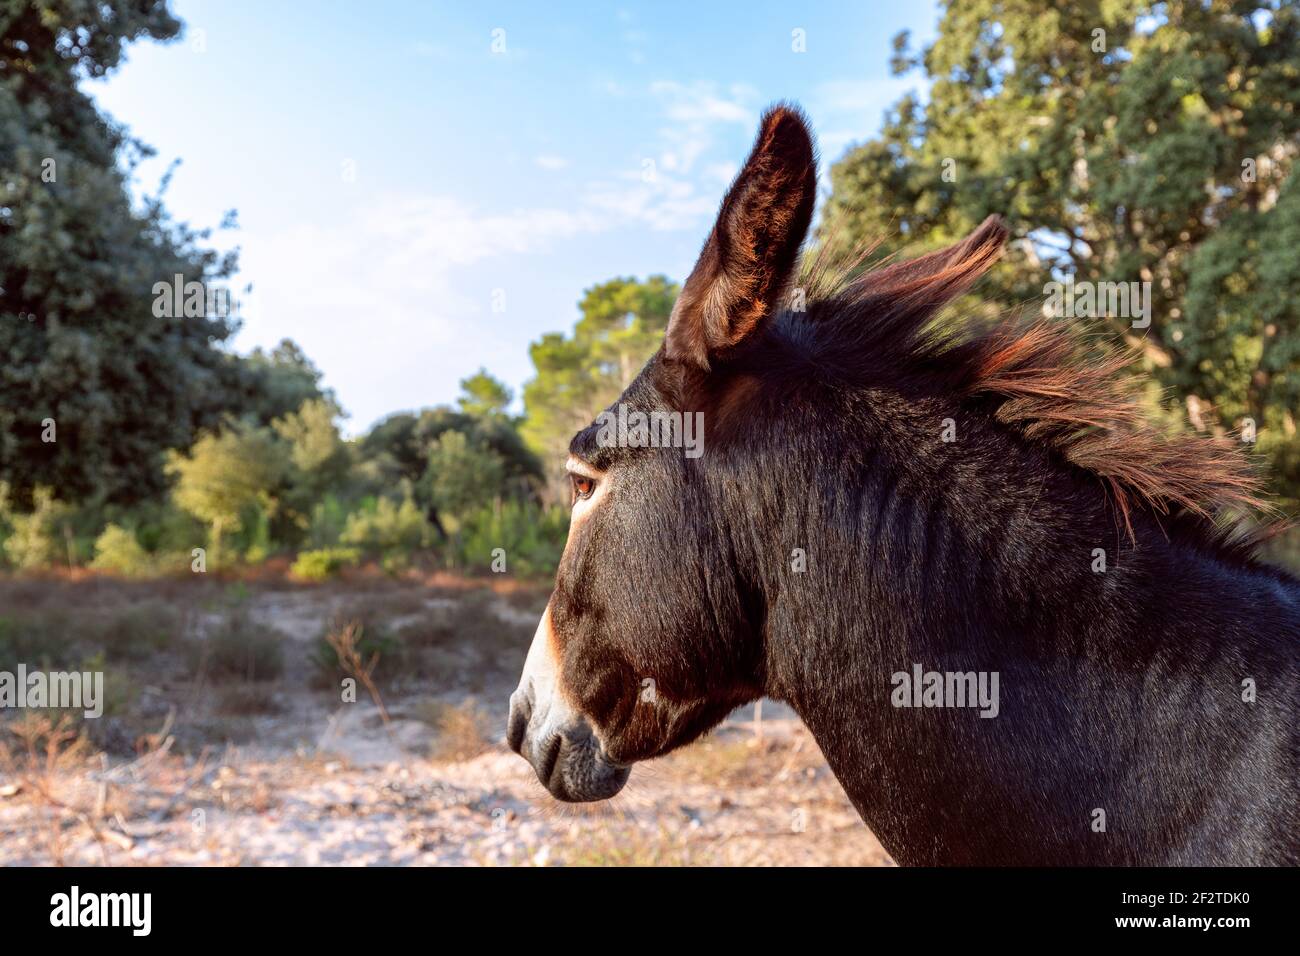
556	739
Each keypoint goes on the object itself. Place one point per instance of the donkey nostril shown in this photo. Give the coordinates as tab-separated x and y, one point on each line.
518	728
550	759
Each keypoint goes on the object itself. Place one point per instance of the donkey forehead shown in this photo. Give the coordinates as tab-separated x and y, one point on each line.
639	397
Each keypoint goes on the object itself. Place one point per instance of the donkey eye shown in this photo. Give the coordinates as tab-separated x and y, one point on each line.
583	487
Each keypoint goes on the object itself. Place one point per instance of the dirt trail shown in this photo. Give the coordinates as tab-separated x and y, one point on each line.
322	782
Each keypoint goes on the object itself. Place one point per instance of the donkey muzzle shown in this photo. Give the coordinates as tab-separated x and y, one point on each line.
554	737
565	753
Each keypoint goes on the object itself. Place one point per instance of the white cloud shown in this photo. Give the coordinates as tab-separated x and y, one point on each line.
675	188
702	103
380	297
664	203
373	296
551	162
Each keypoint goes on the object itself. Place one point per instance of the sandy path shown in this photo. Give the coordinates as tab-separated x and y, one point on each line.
321	782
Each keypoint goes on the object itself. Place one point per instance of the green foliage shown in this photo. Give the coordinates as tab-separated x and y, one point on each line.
462	476
328	519
87	361
241	649
398	447
385	527
1163	152
324	563
277	383
317	453
39	539
319	461
162	529
532	537
482	395
228	476
118	551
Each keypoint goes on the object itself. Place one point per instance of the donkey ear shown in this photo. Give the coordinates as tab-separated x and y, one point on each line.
749	257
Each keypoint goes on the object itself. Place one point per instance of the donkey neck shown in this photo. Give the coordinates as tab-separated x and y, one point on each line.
992	561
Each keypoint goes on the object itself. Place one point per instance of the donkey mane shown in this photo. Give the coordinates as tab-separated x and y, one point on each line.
1041	378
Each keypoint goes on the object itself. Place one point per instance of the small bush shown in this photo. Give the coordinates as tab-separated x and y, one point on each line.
377	650
463	731
39	539
531	537
120	690
328	519
241	648
324	563
387	528
136	631
118	551
44	638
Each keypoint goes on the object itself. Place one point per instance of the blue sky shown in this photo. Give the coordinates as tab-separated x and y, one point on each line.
414	204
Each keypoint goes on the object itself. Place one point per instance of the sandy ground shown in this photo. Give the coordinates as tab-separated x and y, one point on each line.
322	782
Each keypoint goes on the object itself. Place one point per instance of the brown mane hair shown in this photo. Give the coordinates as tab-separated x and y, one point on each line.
1052	388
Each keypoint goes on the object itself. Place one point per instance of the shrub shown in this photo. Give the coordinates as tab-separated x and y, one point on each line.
58	638
387	528
242	649
117	550
120	690
44	638
38	540
462	731
162	526
377	651
324	563
137	631
532	538
328	519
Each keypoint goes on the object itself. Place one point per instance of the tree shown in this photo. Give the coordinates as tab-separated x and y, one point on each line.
227	476
483	396
96	385
317	453
319	462
622	324
462	476
277	383
396	452
1125	142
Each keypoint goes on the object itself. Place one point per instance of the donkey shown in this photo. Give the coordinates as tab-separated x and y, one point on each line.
881	502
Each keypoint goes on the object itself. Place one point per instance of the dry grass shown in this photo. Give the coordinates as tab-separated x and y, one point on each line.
463	731
356	659
248	699
630	847
241	649
54	766
63	635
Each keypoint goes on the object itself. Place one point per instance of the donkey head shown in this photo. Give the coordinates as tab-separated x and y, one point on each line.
650	637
